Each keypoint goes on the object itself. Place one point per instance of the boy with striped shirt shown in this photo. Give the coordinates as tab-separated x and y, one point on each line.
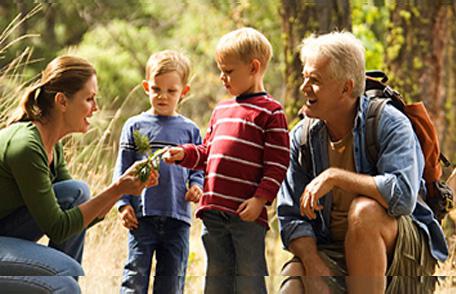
245	155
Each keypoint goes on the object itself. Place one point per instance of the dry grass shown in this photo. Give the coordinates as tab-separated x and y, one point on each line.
106	252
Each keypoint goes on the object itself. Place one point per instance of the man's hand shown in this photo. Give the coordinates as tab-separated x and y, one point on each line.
194	194
128	217
250	209
316	189
173	154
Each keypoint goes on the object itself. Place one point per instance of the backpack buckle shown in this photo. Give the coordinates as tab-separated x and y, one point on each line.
389	92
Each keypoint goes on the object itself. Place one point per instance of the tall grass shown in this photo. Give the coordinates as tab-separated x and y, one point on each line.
91	158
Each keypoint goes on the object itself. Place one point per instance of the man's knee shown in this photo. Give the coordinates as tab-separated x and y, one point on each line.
364	212
367	219
292	285
294	271
293	267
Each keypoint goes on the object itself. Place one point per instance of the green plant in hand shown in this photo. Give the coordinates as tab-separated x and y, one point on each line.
153	158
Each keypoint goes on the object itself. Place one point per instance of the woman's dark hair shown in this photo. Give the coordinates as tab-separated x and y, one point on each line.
66	74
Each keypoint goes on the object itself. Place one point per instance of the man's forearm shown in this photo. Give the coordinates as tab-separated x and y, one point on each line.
357	183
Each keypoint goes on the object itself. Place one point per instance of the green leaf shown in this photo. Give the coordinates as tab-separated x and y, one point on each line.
153	160
141	142
143	171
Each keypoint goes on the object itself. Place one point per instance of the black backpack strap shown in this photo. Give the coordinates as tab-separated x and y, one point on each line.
377	74
305	158
374	111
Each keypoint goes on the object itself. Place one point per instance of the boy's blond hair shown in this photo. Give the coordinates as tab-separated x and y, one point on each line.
246	44
168	61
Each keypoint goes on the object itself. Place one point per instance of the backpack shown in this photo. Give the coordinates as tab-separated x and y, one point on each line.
440	196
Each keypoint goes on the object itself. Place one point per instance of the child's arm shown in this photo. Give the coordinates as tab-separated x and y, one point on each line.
195	177
192	156
276	157
250	209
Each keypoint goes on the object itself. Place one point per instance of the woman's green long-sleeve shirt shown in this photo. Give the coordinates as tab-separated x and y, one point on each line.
26	179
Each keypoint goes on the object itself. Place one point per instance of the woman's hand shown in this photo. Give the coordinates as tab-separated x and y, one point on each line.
129	182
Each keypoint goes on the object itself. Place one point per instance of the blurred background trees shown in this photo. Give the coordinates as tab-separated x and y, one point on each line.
414	42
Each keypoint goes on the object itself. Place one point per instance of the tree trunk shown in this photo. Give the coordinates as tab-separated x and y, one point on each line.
415	53
448	136
299	19
50	19
22	8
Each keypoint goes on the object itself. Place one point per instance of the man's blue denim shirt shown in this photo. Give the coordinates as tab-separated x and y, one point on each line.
398	175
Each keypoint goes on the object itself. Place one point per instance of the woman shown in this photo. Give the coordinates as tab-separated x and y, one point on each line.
38	195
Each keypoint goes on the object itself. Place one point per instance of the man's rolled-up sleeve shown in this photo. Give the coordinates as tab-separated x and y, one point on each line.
400	164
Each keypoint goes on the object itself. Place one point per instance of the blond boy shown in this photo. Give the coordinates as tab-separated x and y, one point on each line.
245	155
159	221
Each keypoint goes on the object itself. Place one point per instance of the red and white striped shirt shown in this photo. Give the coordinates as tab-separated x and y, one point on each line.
245	153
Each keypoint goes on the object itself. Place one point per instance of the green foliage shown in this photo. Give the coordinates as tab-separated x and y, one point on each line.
395	40
153	158
141	142
370	27
119	52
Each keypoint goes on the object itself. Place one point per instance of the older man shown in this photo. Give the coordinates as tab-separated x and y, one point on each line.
339	213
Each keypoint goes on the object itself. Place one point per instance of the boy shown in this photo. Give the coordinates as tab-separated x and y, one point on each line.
159	221
245	155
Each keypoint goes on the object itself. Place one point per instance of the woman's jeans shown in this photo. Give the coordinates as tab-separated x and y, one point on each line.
29	262
235	252
168	238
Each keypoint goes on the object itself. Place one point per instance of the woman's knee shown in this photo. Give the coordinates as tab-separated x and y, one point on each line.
39	284
71	193
25	258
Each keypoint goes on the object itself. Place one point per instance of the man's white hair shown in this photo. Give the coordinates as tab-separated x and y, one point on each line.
345	53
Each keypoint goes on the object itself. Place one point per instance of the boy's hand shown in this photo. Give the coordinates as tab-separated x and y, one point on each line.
173	154
128	217
194	194
250	209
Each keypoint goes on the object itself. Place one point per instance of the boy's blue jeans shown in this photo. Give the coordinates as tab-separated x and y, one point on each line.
168	238
21	257
235	254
